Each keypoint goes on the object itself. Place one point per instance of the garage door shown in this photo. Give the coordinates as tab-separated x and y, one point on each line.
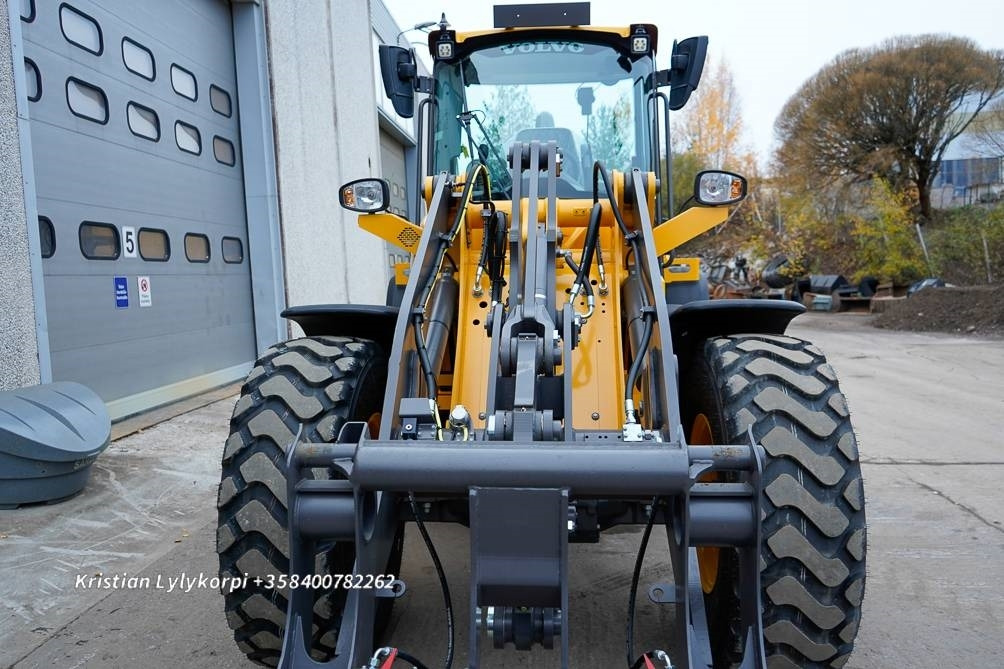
136	149
392	168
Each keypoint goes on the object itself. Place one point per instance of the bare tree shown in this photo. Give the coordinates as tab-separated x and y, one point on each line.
986	135
888	112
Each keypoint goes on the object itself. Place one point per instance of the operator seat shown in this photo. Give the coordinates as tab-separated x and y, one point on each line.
563	137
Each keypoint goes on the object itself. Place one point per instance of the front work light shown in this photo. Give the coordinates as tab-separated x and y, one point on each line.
640	42
444	50
717	188
367	196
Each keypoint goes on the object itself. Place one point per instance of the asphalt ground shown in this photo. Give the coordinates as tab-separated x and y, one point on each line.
928	410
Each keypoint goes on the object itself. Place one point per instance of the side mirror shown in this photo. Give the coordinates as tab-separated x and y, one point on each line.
366	196
686	67
715	188
399	74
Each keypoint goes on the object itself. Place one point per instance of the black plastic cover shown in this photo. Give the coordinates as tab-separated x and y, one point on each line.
347	320
399	74
694	322
542	16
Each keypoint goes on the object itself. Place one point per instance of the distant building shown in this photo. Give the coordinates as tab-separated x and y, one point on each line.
971	171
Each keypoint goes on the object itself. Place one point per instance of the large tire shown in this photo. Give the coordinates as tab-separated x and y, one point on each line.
314	382
813	550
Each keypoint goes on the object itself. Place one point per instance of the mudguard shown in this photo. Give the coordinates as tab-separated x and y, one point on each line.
694	322
346	320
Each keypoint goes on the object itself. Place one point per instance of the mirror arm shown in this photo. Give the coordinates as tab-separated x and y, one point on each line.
424	84
406	71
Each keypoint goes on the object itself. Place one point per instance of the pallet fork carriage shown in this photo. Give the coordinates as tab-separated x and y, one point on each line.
503	395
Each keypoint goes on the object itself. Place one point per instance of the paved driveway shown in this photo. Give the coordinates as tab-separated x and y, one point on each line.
929	412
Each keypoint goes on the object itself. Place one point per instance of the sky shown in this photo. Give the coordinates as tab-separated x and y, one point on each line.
771	46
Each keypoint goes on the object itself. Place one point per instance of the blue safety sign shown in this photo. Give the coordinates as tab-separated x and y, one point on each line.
121	292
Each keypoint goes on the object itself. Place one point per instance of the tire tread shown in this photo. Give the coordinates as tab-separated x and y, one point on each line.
813	506
306	382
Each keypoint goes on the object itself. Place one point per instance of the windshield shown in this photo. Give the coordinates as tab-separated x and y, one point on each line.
587	97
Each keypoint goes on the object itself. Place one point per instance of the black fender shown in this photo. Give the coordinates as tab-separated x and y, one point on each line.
365	321
693	322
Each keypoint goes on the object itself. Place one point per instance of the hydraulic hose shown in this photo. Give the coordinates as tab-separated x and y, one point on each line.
600	173
447	600
592	240
635	577
445	241
632	377
586	287
431	387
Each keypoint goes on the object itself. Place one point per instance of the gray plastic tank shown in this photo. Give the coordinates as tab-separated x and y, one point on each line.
50	436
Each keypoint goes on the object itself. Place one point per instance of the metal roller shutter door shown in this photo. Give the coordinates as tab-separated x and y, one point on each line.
135	127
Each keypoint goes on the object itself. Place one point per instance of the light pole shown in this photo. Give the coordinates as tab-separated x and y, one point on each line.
424	25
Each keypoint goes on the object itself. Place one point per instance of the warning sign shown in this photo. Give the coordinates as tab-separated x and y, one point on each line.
145	299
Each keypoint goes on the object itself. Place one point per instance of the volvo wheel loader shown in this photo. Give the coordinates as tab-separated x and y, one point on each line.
548	369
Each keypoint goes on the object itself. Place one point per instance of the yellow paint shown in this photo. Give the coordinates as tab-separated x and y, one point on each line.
707	556
572	214
682	269
624	31
597	364
393	229
401	272
427	184
684	227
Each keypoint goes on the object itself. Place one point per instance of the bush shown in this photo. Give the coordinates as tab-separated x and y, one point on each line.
886	239
955	240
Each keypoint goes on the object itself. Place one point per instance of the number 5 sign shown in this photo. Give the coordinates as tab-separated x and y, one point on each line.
128	242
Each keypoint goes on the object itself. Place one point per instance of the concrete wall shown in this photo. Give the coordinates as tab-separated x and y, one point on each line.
326	134
19	364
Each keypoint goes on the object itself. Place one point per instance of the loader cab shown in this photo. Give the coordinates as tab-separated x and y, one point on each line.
583	90
597	89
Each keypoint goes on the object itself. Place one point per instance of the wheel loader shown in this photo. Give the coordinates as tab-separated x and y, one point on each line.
547	368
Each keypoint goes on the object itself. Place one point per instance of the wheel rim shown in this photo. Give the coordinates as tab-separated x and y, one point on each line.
707	556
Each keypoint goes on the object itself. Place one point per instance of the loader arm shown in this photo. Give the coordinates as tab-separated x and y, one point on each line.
511	453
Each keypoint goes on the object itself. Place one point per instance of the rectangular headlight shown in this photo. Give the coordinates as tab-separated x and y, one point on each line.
365	195
716	188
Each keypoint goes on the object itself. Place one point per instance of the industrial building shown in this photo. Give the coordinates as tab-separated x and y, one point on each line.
169	184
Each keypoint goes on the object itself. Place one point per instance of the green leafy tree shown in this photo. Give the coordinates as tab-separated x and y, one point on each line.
609	131
686	165
887	246
967	245
508	110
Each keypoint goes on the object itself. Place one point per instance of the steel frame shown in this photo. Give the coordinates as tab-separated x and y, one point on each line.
527	474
